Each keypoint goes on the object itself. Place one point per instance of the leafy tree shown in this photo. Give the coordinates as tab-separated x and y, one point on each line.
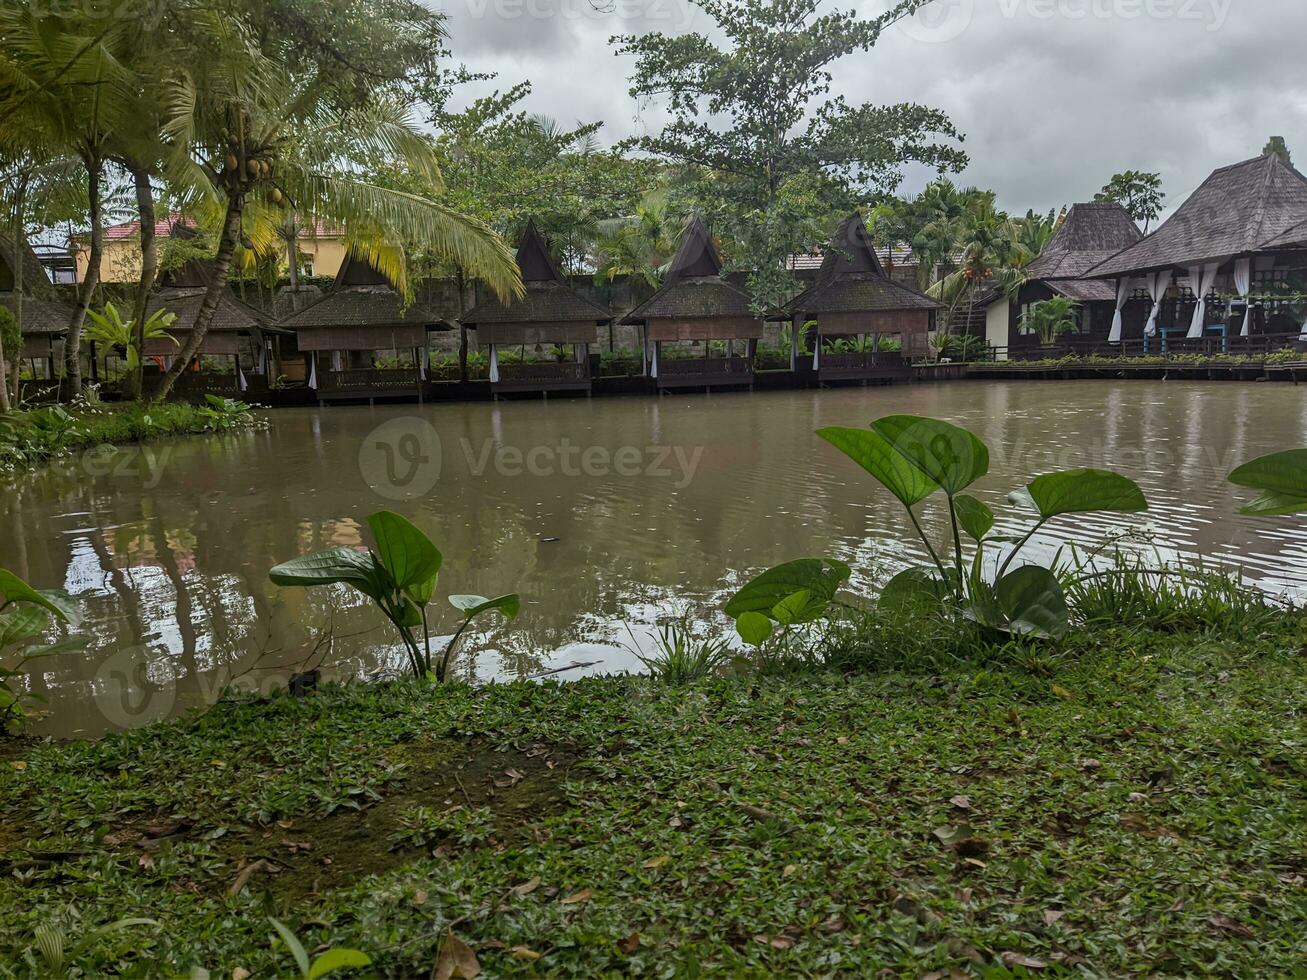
1138	192
11	348
773	157
1279	147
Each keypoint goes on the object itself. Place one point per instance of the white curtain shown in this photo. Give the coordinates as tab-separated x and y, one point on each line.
653	363
1158	284
1243	282
1201	280
313	370
794	345
1122	294
420	355
241	383
494	365
816	349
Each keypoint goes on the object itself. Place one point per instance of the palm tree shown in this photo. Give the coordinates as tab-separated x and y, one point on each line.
259	138
66	88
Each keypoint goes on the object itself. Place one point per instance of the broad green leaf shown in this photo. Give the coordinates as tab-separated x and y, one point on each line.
337	565
948	455
974	516
1283	479
1032	600
801	607
472	606
822	577
337	959
14	589
408	554
914	590
1085	491
294	945
71	645
22	623
870	451
754	628
1275	505
410	614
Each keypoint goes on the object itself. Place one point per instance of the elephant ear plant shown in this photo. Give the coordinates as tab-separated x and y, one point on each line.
400	578
915	458
25	614
1282	478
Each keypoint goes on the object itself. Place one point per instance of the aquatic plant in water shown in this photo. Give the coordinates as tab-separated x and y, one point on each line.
400	578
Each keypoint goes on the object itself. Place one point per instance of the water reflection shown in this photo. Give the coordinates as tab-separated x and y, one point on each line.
167	548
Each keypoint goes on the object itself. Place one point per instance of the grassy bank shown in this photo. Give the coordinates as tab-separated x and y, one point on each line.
38	434
1123	802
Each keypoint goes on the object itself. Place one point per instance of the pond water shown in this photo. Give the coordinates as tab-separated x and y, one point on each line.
607	515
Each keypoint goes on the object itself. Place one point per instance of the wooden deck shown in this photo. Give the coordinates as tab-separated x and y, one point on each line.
369	384
704	372
882	368
542	377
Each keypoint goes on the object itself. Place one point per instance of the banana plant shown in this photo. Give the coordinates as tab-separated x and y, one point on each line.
915	458
400	578
108	327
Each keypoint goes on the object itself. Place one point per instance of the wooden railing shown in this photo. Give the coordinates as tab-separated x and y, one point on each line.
370	378
543	372
1211	345
860	361
209	383
705	367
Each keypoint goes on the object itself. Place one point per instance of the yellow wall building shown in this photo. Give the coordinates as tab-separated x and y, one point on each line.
322	250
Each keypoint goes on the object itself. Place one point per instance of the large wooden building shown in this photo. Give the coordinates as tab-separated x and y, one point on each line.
549	317
1088	234
1227	270
699	329
42	317
865	326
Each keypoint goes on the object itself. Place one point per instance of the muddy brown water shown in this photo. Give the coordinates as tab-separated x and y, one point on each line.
607	515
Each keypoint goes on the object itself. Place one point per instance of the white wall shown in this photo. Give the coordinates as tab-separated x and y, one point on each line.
996	326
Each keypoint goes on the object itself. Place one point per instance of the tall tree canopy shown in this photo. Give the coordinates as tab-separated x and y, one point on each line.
1279	147
775	157
1138	192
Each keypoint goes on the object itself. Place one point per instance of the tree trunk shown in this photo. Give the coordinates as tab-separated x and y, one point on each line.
4	379
231	232
73	342
462	332
149	272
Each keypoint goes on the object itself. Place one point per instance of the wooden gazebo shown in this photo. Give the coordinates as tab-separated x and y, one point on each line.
868	326
237	332
1212	275
362	340
44	317
696	304
1088	234
549	315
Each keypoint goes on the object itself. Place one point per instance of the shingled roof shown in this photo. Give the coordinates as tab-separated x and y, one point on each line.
182	292
548	298
852	280
1088	235
694	287
361	297
43	311
1238	210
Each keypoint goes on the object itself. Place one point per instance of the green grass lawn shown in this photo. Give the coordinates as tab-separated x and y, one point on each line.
1138	805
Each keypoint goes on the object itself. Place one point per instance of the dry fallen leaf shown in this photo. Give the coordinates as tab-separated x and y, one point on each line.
527	887
842	740
630	944
1062	692
788	870
526	953
1052	915
240	973
218	763
584	895
656	862
455	959
19	765
512	778
1021	959
419	898
1232	926
961	802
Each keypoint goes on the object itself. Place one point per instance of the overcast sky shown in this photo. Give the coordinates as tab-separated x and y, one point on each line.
1054	96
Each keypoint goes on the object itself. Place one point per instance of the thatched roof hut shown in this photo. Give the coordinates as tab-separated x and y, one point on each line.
45	315
695	302
1088	235
182	291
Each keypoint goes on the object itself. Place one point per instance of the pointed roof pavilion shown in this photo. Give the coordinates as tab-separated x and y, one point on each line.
1247	208
694	288
1089	234
852	279
361	311
181	291
548	296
